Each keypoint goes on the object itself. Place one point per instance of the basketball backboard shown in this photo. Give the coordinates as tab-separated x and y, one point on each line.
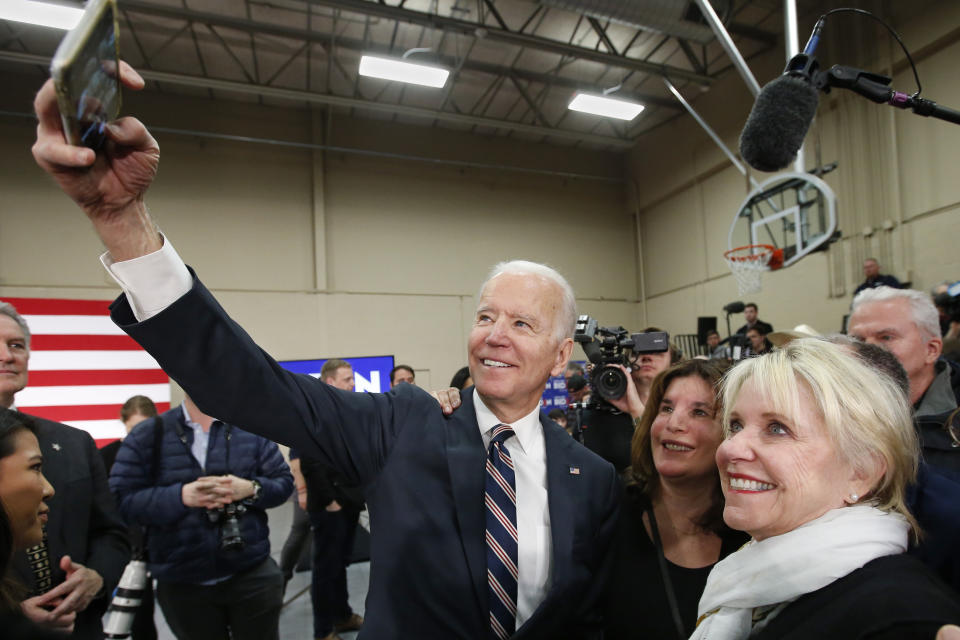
795	212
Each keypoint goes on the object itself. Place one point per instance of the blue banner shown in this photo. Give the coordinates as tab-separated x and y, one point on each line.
555	393
371	373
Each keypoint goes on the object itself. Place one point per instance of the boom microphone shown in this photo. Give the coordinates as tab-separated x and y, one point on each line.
781	116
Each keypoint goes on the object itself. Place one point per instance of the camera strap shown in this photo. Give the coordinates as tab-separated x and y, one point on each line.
665	574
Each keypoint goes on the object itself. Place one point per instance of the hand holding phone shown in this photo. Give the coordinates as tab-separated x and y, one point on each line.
85	71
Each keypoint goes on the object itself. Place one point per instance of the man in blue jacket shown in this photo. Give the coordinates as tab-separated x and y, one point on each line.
201	488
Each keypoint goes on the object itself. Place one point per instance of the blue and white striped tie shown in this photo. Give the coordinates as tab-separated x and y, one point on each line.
501	501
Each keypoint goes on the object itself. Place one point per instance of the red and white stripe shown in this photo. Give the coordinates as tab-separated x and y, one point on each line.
504	557
500	515
501	593
498	628
501	481
83	367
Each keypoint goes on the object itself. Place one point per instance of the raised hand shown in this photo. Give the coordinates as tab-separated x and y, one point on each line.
109	185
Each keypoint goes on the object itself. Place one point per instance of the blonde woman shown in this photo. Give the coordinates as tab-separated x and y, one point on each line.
819	449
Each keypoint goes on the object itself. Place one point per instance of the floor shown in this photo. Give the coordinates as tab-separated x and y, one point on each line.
296	618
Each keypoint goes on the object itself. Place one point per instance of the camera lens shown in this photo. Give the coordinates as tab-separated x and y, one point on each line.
610	382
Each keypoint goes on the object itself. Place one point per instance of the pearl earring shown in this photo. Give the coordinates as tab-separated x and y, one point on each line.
854	497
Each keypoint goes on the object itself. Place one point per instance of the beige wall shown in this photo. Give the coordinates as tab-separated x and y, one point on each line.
895	167
324	254
329	254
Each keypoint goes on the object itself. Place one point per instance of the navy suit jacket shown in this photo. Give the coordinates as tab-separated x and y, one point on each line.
423	476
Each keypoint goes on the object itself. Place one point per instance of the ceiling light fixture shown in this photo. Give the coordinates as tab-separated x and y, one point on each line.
44	14
607	107
392	69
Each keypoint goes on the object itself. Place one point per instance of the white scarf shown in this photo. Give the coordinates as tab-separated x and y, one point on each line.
782	568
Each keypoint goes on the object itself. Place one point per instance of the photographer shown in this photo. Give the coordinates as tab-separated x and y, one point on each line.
607	421
200	487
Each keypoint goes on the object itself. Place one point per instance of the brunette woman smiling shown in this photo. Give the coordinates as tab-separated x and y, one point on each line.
671	529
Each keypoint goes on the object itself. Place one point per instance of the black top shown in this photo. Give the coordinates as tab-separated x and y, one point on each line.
608	435
880	281
636	604
761	326
893	597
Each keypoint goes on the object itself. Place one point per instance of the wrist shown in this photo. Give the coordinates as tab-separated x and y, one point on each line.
255	490
129	233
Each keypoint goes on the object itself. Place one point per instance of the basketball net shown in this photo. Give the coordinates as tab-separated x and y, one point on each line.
748	265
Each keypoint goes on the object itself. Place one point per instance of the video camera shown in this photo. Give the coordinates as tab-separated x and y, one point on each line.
607	347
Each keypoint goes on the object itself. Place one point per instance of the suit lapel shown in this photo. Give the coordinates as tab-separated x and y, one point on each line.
560	498
466	460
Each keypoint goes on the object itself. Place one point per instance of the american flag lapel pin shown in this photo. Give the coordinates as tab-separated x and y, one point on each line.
574	471
56	446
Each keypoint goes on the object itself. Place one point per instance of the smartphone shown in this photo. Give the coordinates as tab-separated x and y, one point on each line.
86	75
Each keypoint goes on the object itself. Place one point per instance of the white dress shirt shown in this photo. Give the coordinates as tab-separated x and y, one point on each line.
155	281
201	439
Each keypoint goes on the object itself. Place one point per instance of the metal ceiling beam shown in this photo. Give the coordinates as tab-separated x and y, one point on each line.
538	114
691	54
339	101
602	34
323	39
511	37
753	33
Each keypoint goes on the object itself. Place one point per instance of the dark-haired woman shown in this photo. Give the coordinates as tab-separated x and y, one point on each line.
461	379
23	493
671	529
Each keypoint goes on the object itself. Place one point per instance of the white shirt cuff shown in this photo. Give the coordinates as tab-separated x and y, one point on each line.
152	282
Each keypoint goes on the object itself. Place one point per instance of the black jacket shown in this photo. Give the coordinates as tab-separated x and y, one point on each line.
759	325
325	484
893	597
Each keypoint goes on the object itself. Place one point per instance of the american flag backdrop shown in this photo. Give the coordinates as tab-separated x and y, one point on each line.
83	367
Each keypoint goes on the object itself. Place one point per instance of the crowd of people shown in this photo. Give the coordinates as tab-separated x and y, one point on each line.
806	488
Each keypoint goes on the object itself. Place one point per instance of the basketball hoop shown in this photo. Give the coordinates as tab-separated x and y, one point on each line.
747	263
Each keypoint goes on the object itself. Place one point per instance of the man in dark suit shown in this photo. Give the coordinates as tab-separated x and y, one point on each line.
334	509
436	487
753	322
71	574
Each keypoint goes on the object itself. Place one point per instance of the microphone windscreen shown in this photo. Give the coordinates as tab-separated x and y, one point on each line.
778	123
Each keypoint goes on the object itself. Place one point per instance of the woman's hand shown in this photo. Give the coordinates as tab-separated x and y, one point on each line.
448	398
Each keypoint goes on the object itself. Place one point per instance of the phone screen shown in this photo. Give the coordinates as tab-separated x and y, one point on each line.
91	85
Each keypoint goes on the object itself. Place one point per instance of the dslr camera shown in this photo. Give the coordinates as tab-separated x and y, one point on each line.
607	347
228	518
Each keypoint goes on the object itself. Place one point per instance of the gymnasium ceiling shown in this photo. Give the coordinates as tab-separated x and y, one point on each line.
515	64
